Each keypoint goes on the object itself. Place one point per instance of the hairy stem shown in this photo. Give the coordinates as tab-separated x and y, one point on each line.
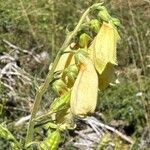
43	88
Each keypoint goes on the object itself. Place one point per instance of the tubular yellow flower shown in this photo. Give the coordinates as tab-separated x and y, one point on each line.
105	47
84	91
65	60
102	52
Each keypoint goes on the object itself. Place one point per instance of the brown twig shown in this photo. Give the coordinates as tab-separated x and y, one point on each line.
97	123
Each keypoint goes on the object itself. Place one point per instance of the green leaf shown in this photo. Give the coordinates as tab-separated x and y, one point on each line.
6	134
61	102
51	142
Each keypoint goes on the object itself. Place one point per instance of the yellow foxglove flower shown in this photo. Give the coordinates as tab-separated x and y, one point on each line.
65	60
102	52
105	47
84	91
108	74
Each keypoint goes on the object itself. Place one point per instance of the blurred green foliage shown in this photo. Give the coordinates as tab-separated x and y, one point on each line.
123	102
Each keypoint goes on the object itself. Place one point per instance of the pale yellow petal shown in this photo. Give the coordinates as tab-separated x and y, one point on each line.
107	76
65	60
105	47
84	91
91	50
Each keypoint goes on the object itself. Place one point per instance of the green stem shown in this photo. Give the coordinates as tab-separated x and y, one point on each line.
49	78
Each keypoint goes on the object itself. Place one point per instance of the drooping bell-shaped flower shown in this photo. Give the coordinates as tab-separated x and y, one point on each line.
84	91
102	52
65	60
105	47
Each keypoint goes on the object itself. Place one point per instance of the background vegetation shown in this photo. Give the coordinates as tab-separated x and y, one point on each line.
31	32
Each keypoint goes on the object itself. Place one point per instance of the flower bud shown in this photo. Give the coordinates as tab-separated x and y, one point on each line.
97	6
59	86
116	22
95	25
84	40
71	73
104	15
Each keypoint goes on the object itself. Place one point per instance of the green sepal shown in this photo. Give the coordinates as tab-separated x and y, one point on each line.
59	86
84	40
71	72
80	55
